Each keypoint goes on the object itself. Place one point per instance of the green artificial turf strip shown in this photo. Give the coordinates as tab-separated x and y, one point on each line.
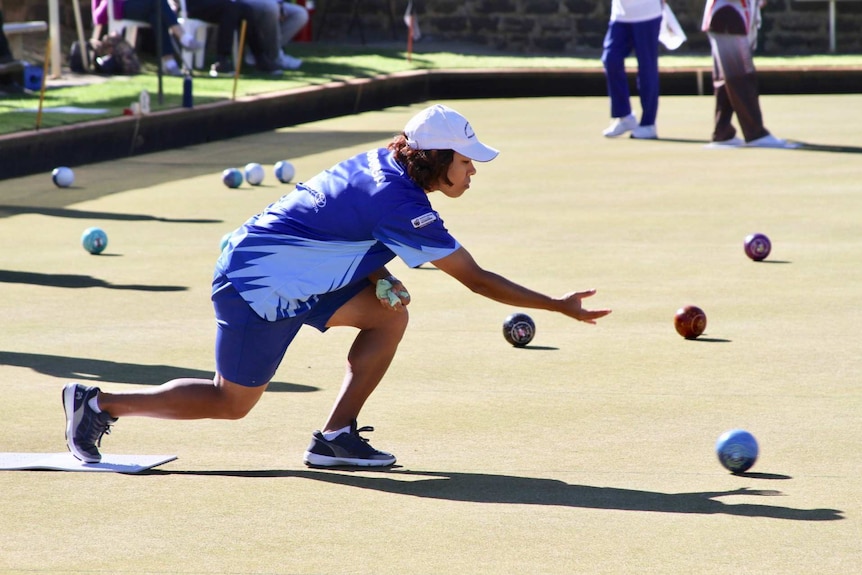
322	63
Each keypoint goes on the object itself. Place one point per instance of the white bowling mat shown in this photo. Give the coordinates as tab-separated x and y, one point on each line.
66	462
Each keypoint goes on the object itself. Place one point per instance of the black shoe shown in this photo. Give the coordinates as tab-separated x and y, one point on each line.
84	427
349	448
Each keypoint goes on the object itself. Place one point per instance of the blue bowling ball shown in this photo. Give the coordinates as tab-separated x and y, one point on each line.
737	450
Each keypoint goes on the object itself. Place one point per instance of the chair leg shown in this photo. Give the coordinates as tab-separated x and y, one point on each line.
132	35
393	18
200	34
356	19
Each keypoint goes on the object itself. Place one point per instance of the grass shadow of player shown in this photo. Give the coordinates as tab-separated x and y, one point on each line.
800	146
9	210
682	140
76	281
95	371
827	148
515	490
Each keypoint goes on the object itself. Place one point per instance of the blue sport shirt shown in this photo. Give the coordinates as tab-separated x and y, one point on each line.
331	231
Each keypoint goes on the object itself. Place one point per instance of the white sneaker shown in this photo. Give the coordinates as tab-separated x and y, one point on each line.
249	59
171	68
645	133
770	141
288	62
620	126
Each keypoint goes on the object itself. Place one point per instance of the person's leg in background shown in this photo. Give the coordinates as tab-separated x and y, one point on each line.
292	19
645	40
5	51
146	10
735	81
227	15
11	70
617	45
723	132
263	35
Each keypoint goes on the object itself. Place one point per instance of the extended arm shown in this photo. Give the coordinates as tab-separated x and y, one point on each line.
461	266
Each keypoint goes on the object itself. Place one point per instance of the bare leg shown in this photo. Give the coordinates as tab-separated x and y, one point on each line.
185	399
372	351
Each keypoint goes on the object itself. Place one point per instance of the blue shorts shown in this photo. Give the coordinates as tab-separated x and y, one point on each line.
248	348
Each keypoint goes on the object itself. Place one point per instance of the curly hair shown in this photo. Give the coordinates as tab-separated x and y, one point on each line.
425	167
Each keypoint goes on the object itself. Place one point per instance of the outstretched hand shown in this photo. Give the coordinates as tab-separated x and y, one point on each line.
572	307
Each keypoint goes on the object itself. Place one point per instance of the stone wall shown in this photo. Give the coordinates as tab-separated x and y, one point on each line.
578	26
570	27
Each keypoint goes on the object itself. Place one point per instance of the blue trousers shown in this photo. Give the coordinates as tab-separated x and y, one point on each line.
620	40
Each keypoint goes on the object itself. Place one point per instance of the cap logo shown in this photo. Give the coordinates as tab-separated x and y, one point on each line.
468	131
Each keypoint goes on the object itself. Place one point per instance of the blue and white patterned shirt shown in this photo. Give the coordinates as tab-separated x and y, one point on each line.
331	231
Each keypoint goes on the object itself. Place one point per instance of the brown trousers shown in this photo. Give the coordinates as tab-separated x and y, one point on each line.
734	79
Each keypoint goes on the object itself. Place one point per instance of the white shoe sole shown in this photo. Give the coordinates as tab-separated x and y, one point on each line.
316	460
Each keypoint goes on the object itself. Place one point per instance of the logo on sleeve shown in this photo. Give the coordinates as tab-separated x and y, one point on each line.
424	220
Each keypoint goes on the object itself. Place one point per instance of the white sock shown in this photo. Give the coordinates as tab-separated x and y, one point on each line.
94	404
330	435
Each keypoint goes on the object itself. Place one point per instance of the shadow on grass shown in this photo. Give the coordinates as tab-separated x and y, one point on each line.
94	371
76	281
9	210
511	489
828	148
803	147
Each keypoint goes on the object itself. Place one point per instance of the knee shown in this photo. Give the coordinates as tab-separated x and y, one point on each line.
235	401
233	410
396	323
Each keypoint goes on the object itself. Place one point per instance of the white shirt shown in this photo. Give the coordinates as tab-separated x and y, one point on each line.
635	10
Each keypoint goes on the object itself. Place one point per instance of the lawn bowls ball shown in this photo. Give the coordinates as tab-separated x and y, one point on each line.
232	177
63	177
519	329
757	246
689	321
736	450
254	173
284	171
94	240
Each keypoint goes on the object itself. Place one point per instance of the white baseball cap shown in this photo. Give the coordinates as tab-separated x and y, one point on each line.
439	127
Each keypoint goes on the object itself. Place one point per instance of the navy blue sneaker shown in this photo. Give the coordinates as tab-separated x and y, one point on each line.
348	449
84	427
